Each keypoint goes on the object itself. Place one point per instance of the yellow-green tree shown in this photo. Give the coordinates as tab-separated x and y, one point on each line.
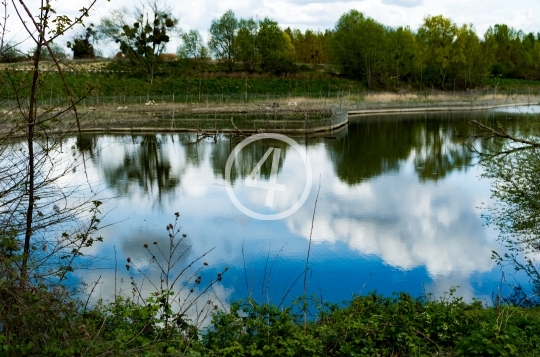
466	59
435	38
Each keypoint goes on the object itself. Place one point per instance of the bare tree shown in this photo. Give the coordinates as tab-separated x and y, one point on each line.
32	203
3	29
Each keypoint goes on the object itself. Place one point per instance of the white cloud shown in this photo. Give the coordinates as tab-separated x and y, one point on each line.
414	225
404	3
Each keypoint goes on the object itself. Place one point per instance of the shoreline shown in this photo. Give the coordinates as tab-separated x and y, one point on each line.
367	112
322	125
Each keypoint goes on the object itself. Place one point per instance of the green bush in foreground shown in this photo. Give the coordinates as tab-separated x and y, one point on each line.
376	326
37	323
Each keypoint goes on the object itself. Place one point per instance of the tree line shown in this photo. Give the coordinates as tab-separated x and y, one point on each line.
439	54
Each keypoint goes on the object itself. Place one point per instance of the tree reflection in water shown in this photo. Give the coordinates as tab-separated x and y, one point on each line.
147	165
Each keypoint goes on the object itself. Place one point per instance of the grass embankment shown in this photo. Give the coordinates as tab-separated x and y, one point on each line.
46	324
204	83
119	77
507	84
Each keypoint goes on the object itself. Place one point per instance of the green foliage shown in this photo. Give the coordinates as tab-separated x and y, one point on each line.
40	319
510	84
212	84
270	43
9	53
246	45
310	47
435	38
373	325
359	47
404	58
222	35
193	48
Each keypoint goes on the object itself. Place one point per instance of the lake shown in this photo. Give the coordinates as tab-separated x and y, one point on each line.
399	208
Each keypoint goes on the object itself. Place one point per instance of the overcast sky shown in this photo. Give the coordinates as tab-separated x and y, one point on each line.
321	14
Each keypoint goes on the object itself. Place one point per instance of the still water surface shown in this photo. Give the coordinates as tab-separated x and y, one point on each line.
399	209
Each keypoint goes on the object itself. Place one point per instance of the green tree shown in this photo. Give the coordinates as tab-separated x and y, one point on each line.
289	51
246	44
508	52
193	48
403	52
142	34
489	50
359	46
466	60
222	35
271	44
436	37
82	44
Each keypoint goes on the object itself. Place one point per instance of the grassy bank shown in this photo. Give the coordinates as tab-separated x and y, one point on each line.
117	84
512	84
115	78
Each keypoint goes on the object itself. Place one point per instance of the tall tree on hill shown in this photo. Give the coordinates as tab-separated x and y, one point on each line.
82	46
142	33
193	48
271	44
246	43
222	35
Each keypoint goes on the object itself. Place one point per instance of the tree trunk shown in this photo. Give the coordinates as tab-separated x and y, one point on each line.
30	125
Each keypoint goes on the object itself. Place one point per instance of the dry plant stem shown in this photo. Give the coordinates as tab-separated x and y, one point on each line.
268	280
169	277
91	292
285	294
245	270
310	236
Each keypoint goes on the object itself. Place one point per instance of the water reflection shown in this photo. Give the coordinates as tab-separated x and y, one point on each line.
398	202
143	162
